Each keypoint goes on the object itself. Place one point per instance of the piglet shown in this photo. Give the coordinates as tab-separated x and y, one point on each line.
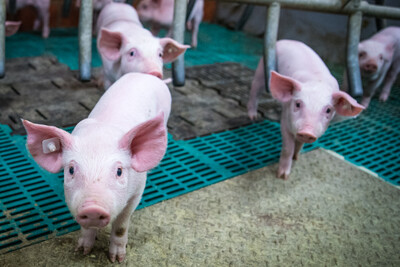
379	60
97	7
106	157
42	8
12	27
309	94
125	46
160	13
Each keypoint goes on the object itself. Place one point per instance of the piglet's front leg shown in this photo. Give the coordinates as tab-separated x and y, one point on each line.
86	240
119	231
118	241
287	154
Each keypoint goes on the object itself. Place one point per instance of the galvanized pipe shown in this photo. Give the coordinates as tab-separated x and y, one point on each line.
66	8
12	6
2	37
271	34
244	18
353	38
85	39
330	6
178	34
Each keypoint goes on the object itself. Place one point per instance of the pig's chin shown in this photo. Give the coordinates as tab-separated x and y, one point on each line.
304	140
372	75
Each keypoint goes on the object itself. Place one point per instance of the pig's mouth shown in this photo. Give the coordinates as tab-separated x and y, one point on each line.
157	74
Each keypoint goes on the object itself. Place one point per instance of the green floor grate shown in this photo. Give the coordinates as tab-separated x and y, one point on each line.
32	202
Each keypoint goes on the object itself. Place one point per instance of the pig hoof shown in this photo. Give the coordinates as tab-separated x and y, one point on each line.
252	115
383	98
86	249
36	24
120	257
117	250
45	34
282	175
86	241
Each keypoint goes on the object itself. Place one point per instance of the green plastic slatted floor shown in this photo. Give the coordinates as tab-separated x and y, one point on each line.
32	202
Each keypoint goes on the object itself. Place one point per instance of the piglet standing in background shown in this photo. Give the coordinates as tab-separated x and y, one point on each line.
106	157
43	13
125	46
309	95
160	14
12	27
379	60
97	7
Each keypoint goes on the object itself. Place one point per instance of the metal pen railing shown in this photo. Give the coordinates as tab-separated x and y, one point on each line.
355	9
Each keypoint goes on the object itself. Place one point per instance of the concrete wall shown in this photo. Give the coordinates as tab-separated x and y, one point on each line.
324	32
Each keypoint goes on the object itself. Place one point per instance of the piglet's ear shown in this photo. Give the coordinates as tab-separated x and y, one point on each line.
282	87
388	52
147	143
12	27
46	144
345	105
171	49
110	44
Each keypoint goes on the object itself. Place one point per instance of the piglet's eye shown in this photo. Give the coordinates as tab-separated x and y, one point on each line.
298	104
71	170
119	172
328	110
132	53
160	55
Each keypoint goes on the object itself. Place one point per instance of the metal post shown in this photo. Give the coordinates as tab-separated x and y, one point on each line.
12	6
271	34
85	39
244	18
380	23
178	34
353	38
66	8
2	37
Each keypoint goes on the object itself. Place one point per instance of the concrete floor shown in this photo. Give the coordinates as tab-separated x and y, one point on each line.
329	213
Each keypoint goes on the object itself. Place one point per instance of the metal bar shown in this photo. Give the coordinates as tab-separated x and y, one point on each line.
178	34
12	6
66	8
380	23
353	38
2	37
85	39
271	34
244	18
330	6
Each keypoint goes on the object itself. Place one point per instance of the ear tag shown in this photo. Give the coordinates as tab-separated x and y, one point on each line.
51	145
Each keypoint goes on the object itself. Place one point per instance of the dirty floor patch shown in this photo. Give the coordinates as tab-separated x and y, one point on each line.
42	90
328	213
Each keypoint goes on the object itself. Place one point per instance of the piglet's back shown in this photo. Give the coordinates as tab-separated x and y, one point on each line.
134	98
117	12
297	60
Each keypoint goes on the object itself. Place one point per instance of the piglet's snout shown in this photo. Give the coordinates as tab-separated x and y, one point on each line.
306	137
370	67
92	216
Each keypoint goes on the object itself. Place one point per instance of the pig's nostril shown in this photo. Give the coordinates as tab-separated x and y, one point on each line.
102	217
83	217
